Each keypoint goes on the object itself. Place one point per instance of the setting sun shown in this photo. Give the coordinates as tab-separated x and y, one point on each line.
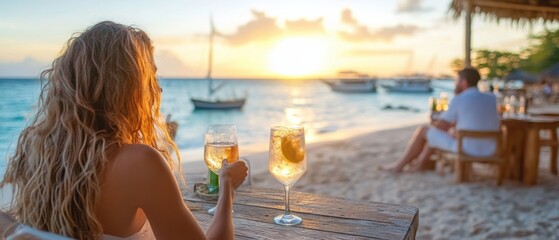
297	56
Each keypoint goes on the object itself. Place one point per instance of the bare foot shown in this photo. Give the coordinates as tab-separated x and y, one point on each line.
393	167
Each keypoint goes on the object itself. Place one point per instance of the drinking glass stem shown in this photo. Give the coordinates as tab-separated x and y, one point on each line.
287	210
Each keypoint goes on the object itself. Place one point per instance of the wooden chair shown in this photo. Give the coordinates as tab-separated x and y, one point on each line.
463	162
172	126
552	142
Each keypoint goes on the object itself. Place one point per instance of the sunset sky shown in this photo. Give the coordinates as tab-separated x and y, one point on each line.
260	39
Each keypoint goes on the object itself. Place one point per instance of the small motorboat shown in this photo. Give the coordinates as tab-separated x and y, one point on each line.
409	85
352	82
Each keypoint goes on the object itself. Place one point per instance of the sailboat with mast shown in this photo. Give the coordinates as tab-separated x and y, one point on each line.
212	102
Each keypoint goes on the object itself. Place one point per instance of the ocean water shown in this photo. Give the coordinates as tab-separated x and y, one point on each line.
270	102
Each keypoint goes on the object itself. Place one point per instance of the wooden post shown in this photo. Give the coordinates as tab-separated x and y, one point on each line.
468	10
531	156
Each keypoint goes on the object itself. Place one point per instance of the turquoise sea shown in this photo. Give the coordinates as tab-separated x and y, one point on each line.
270	102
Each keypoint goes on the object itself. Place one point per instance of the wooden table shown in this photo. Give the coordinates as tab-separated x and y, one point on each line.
323	217
524	135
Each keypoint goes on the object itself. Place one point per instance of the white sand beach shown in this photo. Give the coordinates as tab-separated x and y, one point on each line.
478	210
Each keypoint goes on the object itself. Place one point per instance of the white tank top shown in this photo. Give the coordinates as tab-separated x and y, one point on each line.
145	233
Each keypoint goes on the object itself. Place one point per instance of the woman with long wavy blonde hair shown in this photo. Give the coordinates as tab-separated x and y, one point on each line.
90	164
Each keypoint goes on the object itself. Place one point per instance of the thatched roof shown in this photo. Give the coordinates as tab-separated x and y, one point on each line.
515	10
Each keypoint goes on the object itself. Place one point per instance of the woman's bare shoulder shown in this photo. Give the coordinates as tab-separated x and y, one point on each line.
137	154
139	173
136	163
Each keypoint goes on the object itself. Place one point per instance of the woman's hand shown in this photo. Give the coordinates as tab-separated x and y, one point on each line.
233	174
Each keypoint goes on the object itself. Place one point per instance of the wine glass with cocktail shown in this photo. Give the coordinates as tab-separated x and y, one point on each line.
220	144
287	163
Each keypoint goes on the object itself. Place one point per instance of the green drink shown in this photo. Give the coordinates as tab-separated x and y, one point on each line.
213	182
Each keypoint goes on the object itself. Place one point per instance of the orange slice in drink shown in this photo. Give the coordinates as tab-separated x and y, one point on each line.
292	149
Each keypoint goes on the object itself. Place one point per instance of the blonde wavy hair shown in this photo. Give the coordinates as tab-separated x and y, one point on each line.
99	94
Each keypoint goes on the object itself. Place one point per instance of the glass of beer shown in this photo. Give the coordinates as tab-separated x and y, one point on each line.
507	107
220	144
434	108
522	106
433	104
513	105
287	163
443	102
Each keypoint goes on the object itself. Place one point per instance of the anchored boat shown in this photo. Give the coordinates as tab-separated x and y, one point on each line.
352	82
212	102
409	85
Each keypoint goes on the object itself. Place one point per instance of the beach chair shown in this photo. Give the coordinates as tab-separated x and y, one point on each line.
172	126
463	162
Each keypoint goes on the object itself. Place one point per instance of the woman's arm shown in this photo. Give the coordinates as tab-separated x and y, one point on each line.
231	177
156	192
153	188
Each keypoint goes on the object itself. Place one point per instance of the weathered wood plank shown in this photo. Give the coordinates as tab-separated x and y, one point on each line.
323	205
325	224
324	217
249	229
412	230
319	204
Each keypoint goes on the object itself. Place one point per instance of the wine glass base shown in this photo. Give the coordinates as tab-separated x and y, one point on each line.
211	211
288	220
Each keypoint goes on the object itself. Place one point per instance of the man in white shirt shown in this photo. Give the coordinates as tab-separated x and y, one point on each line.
469	110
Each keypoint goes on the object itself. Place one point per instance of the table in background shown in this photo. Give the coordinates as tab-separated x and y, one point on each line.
524	137
323	217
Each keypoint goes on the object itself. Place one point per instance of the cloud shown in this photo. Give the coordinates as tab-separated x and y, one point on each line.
347	18
304	27
169	65
264	28
28	67
408	6
389	33
361	33
260	28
